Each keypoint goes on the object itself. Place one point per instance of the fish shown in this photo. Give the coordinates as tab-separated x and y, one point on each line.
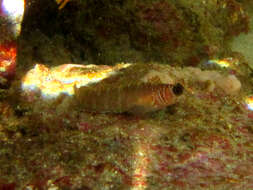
135	99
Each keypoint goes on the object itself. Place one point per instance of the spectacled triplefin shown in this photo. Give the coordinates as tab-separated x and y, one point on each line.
137	99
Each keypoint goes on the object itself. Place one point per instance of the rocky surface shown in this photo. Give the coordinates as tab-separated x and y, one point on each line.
105	32
203	141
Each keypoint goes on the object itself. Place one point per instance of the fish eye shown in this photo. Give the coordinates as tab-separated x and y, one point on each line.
178	89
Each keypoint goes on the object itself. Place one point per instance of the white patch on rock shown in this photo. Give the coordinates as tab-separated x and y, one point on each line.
162	76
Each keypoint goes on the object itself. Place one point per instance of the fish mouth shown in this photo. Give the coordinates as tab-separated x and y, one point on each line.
178	89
